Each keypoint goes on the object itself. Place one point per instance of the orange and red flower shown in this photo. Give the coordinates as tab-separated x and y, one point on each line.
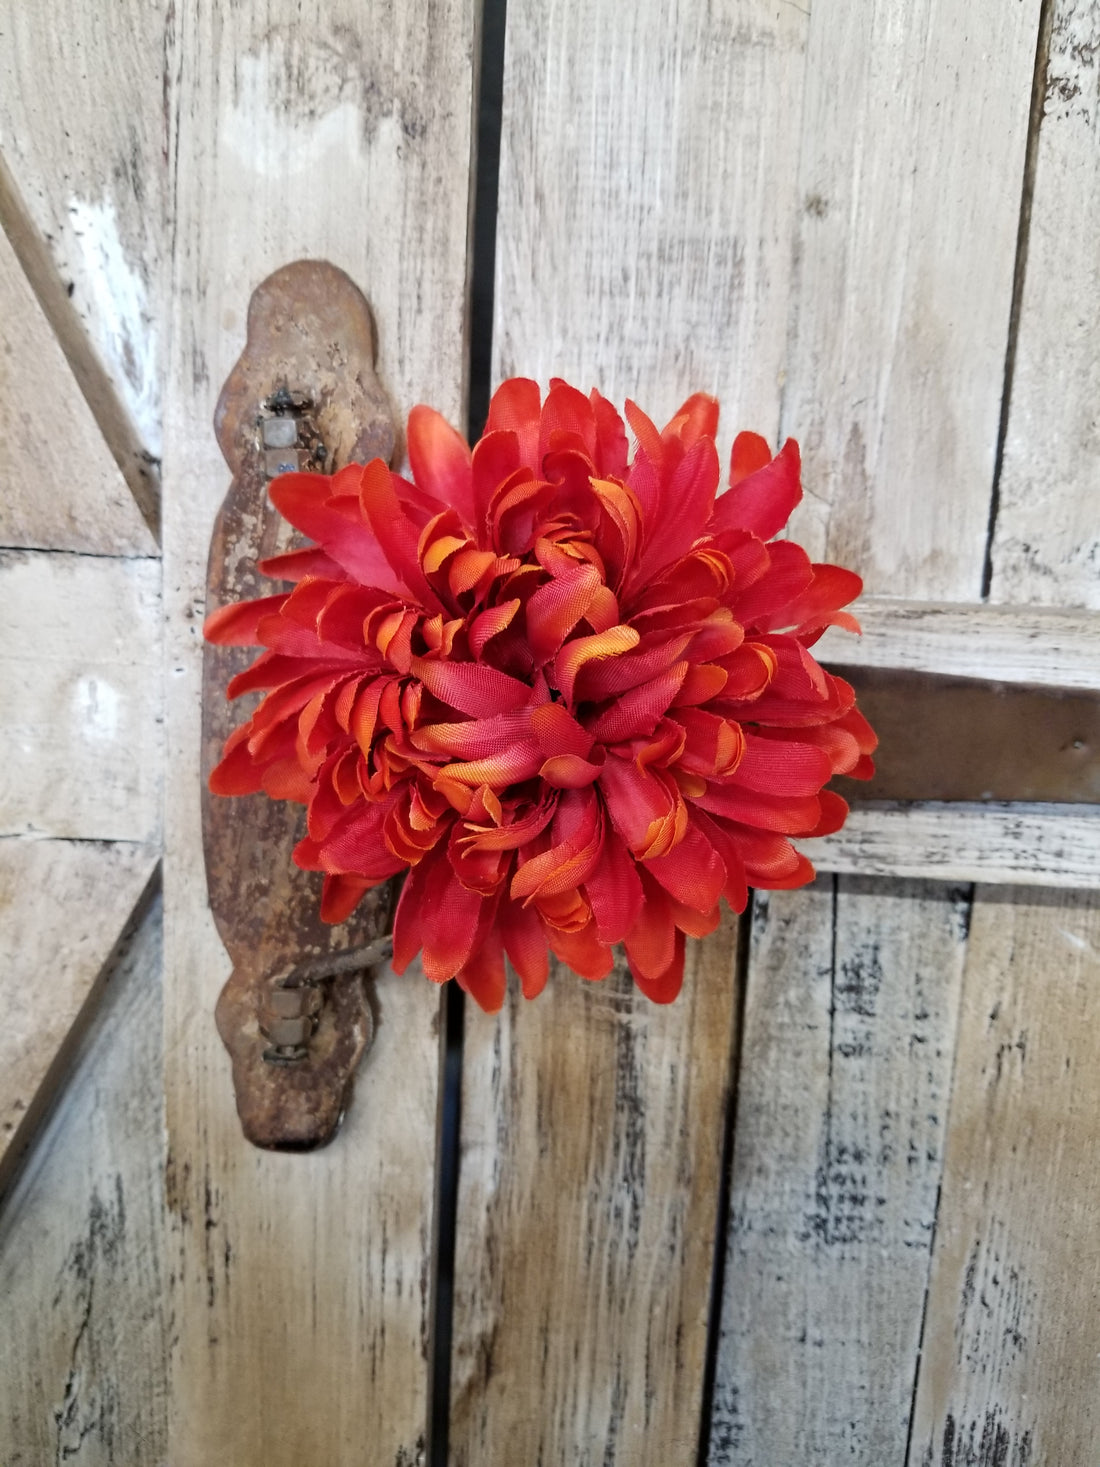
567	691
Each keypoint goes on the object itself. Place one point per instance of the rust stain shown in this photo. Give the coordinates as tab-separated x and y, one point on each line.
310	333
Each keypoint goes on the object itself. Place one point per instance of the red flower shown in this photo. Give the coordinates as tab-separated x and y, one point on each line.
567	691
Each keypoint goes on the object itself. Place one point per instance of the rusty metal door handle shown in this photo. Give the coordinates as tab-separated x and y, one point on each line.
295	1014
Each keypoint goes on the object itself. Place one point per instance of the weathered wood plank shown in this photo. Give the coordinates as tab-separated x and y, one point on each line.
592	1125
81	681
1053	646
848	1043
83	1277
1009	1367
643	245
301	1293
51	971
914	129
647	183
644	235
1046	546
1044	845
83	189
60	488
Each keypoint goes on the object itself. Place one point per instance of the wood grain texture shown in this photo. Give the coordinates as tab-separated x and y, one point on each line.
848	1042
644	235
83	131
80	676
1052	646
592	1127
83	1274
51	970
647	182
1010	1372
914	127
60	488
1043	845
301	1294
1046	547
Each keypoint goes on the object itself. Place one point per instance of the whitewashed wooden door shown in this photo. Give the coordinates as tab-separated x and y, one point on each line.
837	1204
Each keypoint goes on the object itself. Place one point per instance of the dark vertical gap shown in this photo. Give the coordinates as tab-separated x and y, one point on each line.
969	912
725	1185
485	165
484	224
824	1198
453	1011
1023	234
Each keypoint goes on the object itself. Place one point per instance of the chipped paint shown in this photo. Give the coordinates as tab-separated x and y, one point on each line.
96	708
116	288
274	136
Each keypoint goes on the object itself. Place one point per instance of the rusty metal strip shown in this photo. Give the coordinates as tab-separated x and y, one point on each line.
954	738
303	395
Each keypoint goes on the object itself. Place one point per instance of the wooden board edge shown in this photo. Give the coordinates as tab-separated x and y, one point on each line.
43	1102
1025	845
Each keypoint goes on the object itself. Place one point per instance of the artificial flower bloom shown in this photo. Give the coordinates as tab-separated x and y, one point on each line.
568	691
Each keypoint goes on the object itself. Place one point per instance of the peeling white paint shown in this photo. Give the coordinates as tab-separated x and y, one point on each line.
97	705
118	302
1076	941
276	142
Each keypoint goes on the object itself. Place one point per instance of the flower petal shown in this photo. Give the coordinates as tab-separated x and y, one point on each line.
237	625
693	873
515	408
341	895
665	987
482	975
336	522
471	687
569	772
651	942
556	608
614	890
582	951
762	499
395	532
525	943
582	650
440	460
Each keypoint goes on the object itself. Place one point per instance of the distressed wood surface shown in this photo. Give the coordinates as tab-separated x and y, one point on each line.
658	179
80	678
903	181
1010	1370
1043	845
647	179
302	1282
1046	547
51	971
914	127
592	1126
83	1349
83	1273
643	244
83	193
848	1041
1052	646
60	488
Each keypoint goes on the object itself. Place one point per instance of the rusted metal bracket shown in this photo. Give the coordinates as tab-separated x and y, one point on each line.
295	1014
957	738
